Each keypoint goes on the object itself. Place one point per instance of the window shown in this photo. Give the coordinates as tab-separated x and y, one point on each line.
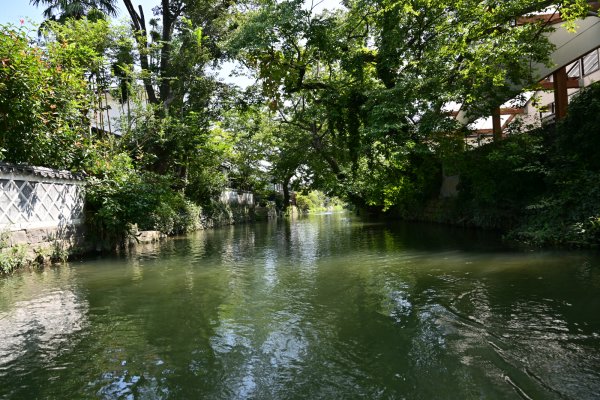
590	62
573	70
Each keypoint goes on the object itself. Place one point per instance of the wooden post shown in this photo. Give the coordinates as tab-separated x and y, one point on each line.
561	95
496	124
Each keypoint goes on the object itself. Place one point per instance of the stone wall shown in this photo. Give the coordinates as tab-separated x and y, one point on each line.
40	208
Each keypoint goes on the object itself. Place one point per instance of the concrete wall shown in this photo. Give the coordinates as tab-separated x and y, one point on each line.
449	186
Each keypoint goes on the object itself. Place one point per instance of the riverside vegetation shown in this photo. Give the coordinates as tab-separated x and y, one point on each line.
541	187
337	106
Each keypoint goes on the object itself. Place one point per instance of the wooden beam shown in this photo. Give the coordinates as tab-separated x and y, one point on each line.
496	124
572	83
549	19
561	95
553	18
511	111
508	121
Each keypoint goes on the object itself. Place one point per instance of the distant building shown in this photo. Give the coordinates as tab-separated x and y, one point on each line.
111	112
576	65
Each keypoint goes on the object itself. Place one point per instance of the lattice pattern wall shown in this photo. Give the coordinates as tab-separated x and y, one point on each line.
233	197
39	197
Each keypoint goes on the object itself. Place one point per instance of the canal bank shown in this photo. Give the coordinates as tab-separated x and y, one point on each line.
42	217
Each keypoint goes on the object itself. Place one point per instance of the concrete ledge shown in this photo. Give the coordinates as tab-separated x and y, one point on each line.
43	243
149	236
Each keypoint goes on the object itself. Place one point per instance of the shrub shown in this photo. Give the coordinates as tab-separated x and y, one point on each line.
44	99
303	203
499	180
569	211
11	258
175	214
121	197
541	186
317	201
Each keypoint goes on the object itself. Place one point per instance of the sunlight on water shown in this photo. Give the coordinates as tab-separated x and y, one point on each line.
324	307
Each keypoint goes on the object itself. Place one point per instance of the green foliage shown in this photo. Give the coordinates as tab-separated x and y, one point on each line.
246	140
349	102
398	182
358	95
78	44
265	198
542	186
183	148
123	196
175	215
65	9
576	144
303	203
568	212
43	98
205	184
59	252
315	201
498	181
11	258
47	92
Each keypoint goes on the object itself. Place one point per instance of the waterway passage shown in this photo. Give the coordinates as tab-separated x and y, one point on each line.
320	308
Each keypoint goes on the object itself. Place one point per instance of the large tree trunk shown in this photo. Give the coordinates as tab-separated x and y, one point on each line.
165	53
286	192
141	36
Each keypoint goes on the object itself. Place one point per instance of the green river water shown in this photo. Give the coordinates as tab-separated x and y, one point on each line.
326	307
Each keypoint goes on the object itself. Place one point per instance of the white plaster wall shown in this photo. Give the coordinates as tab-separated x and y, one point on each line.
30	201
233	197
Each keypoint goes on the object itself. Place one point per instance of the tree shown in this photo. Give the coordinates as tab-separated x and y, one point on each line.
173	48
180	30
298	57
60	10
368	85
44	94
247	133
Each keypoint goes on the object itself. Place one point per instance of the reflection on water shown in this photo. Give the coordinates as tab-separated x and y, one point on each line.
40	325
325	307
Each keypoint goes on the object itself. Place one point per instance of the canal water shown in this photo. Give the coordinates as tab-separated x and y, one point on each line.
326	307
